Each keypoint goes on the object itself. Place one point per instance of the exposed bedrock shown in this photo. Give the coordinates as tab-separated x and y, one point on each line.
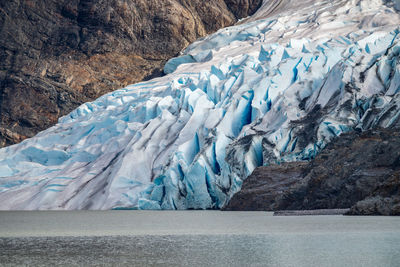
243	8
265	184
56	55
358	170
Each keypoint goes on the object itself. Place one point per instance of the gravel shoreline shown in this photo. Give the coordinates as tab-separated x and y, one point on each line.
311	212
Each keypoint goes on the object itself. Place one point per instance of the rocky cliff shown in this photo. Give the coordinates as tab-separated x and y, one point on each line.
357	170
56	55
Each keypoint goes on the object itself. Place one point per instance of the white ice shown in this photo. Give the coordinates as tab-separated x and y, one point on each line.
276	87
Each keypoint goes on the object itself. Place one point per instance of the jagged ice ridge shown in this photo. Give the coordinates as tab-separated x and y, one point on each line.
277	87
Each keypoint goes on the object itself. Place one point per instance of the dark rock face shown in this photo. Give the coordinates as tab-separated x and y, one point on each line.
358	170
56	55
243	8
385	200
265	184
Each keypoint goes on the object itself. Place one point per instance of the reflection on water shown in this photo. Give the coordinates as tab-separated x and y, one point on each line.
202	250
233	239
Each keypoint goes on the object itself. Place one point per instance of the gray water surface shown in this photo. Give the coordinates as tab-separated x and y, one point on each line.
196	238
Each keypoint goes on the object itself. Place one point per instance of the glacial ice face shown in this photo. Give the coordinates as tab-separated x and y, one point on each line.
397	4
270	90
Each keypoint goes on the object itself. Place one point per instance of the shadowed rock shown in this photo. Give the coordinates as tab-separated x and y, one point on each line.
357	170
265	184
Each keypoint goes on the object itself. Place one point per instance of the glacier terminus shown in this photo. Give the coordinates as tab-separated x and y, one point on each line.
276	87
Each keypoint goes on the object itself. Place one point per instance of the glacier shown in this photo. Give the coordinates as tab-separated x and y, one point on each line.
276	87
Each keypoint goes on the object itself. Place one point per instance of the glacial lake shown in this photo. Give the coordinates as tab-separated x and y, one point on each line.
195	238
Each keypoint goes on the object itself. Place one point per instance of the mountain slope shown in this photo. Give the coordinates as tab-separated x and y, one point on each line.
56	55
270	90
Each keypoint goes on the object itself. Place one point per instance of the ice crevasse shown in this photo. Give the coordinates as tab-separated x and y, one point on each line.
276	87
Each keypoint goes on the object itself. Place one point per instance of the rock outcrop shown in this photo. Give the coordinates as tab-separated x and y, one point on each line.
56	55
357	170
385	200
265	184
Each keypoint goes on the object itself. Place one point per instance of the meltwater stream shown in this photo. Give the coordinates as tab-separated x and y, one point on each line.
193	238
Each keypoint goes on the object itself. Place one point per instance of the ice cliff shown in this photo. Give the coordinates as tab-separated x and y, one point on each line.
276	87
